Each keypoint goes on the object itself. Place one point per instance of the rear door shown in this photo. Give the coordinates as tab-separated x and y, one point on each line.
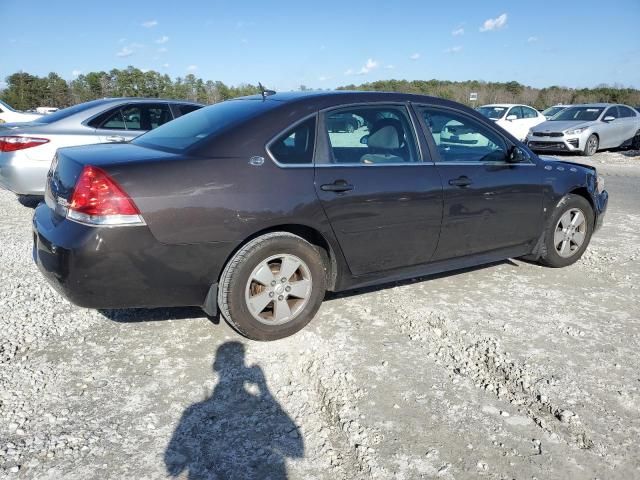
382	197
629	122
611	131
129	121
489	203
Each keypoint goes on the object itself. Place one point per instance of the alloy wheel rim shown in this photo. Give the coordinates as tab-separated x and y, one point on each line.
570	232
592	145
278	289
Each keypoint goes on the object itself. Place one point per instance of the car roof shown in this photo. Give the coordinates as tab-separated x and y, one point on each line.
320	99
143	100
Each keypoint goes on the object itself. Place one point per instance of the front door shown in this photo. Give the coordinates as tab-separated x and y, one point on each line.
489	203
382	198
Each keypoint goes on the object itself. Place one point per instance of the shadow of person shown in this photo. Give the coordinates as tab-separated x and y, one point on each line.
241	431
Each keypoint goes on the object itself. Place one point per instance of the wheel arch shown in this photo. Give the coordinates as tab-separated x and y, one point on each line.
308	233
584	193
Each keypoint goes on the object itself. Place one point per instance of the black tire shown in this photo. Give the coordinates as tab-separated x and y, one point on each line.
30	201
549	255
591	145
635	143
238	270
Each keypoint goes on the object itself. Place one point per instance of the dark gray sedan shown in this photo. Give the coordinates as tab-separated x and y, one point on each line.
257	206
26	149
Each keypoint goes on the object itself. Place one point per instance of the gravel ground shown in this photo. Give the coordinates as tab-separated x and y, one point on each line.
506	371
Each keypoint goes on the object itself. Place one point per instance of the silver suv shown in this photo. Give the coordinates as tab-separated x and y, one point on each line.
587	128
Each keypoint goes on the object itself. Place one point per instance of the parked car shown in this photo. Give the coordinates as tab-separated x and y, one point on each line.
638	108
551	111
587	128
10	115
26	150
345	123
255	207
515	119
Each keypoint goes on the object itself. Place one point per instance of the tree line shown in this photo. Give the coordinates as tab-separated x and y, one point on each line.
24	91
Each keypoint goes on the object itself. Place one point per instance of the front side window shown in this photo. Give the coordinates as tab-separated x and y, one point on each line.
516	112
370	135
463	139
611	112
295	146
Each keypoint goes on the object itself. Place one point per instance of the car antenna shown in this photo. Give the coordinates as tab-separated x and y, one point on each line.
265	92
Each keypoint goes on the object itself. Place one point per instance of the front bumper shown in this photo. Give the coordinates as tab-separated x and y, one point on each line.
601	202
122	267
573	143
22	175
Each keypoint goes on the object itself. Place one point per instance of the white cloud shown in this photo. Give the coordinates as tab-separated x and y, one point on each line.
455	49
163	50
192	68
494	23
349	72
149	23
124	52
136	45
165	65
389	67
122	40
324	78
3	85
162	39
415	56
458	31
75	73
370	65
532	39
144	70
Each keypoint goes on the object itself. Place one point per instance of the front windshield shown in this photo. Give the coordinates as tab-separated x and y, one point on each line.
187	130
494	113
67	112
551	111
583	114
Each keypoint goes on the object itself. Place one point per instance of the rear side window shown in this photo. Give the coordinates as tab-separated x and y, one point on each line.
463	139
295	147
625	111
371	135
529	112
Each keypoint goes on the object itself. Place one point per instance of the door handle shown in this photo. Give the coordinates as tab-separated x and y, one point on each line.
115	138
462	181
337	186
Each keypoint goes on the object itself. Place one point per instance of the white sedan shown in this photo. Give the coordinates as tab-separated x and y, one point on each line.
9	115
514	118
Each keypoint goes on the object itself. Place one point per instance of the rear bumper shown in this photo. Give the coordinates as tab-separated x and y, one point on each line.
122	267
21	175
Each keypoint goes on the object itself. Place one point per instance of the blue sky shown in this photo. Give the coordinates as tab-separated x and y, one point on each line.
324	44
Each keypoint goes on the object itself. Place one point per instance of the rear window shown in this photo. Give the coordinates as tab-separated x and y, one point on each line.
67	112
188	130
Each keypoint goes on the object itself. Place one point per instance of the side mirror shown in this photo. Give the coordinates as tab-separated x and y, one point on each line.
511	118
364	140
517	155
608	119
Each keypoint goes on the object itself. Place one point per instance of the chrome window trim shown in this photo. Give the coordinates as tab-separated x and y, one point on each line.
272	157
421	158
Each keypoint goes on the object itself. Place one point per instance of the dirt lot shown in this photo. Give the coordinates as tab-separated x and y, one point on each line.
506	371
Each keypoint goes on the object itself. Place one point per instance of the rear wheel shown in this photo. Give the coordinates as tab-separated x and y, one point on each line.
591	147
635	143
273	286
568	232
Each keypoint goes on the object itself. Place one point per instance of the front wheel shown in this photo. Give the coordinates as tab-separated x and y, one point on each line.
273	286
591	147
568	232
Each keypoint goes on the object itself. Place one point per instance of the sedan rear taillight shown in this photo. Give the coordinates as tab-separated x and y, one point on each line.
11	144
98	200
